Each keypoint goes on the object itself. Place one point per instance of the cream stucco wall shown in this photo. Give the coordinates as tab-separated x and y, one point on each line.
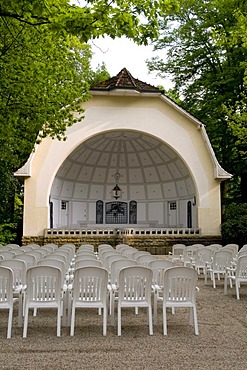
152	115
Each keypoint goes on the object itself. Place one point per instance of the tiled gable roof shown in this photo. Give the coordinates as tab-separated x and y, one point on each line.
124	80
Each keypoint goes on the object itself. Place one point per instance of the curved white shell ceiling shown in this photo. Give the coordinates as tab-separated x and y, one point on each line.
148	168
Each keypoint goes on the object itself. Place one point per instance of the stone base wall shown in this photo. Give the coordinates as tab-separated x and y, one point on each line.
153	244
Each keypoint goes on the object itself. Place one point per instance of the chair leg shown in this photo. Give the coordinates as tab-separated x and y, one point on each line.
112	308
164	321
150	320
105	321
237	289
72	324
214	284
195	321
10	322
59	311
155	308
225	284
119	321
20	309
25	322
191	315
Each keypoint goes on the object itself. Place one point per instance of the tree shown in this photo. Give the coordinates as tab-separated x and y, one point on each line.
206	49
46	74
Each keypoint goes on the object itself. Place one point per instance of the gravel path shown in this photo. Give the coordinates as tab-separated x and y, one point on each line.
222	343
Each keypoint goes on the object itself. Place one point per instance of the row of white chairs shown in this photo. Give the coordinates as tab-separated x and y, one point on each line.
47	286
216	261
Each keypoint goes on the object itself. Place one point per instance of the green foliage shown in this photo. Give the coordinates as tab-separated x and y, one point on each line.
234	225
46	74
101	74
206	53
7	233
136	19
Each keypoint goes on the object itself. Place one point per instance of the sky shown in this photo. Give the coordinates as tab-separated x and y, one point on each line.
120	53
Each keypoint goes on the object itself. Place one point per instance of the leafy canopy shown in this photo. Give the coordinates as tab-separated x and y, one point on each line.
205	53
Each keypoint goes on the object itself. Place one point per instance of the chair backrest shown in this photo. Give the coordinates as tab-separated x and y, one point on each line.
214	247
137	254
37	254
87	262
30	260
180	284
232	247
13	246
19	269
17	251
6	255
34	246
117	266
86	247
5	248
44	284
26	248
242	253
106	254
111	258
54	263
159	266
198	245
135	284
222	259
120	247
191	250
90	285
241	268
128	251
203	255
70	248
6	286
52	247
244	247
85	253
178	250
144	259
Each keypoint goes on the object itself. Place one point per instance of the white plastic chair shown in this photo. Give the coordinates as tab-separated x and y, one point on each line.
116	267
158	267
237	274
19	270
189	254
222	259
135	291
44	290
90	291
180	291
178	251
202	258
6	295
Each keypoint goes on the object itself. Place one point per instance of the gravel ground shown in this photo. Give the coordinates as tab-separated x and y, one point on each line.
221	343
